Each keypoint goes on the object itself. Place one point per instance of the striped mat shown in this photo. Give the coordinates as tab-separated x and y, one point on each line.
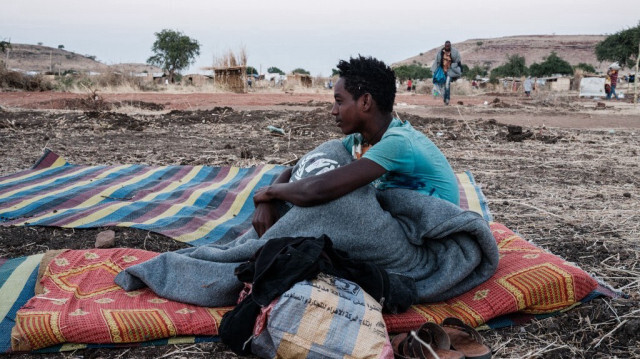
79	302
193	204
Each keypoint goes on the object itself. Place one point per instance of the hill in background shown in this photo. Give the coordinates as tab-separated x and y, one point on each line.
48	59
493	52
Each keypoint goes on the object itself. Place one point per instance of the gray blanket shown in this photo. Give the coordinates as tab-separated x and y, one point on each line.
445	249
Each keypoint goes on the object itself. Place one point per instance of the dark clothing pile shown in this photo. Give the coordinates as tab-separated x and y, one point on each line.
282	262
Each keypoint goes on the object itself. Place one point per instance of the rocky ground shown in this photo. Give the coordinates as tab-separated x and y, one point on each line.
569	185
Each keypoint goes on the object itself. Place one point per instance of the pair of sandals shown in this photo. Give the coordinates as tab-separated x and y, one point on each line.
452	340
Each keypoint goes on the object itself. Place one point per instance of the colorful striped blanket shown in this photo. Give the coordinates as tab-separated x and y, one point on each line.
193	204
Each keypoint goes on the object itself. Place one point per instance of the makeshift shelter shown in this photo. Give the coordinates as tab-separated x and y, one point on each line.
300	80
159	78
559	84
592	87
233	77
275	79
197	79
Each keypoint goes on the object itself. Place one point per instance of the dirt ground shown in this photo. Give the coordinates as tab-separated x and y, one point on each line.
561	171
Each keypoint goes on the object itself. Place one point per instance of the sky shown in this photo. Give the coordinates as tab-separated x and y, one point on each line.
289	34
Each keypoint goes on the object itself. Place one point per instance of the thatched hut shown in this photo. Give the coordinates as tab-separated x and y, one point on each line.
234	78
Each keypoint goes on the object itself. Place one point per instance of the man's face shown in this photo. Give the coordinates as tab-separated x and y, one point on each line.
447	46
345	109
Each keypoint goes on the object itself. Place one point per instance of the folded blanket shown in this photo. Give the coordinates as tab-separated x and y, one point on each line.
445	249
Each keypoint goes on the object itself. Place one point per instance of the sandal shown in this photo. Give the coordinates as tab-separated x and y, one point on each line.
406	346
465	339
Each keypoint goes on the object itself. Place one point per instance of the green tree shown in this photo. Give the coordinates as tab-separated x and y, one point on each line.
514	67
413	71
300	70
275	70
552	64
61	46
251	70
585	67
621	47
335	72
474	72
173	51
4	45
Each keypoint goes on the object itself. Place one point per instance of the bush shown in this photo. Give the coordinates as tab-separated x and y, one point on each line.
4	45
552	64
514	67
585	67
412	71
19	81
474	72
275	70
70	81
300	71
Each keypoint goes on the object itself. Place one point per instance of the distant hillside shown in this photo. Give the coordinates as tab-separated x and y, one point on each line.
135	68
493	52
43	59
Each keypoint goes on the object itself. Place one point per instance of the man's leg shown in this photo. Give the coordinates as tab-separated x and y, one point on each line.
613	92
447	90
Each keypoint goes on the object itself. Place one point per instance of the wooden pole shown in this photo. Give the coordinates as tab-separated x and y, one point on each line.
635	83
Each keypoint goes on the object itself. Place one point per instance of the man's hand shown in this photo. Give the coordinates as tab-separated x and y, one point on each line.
261	196
265	215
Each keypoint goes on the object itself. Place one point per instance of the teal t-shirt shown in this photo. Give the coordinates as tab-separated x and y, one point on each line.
412	161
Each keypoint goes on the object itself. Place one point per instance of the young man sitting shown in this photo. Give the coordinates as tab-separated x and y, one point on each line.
388	152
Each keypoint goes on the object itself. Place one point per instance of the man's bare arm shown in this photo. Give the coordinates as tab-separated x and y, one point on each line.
323	188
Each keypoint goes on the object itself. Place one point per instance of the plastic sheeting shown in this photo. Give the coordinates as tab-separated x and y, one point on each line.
592	87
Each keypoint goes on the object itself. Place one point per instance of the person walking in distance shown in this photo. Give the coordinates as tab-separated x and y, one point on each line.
613	76
449	59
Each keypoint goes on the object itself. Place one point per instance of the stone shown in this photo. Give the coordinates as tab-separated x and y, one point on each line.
106	239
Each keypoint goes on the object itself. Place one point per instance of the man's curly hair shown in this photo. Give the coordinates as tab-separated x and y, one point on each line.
368	75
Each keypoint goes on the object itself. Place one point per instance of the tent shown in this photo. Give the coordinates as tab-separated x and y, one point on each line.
592	87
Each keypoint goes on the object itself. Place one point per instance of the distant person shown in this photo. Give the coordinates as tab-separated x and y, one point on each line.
528	86
249	82
409	84
613	75
448	58
330	85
